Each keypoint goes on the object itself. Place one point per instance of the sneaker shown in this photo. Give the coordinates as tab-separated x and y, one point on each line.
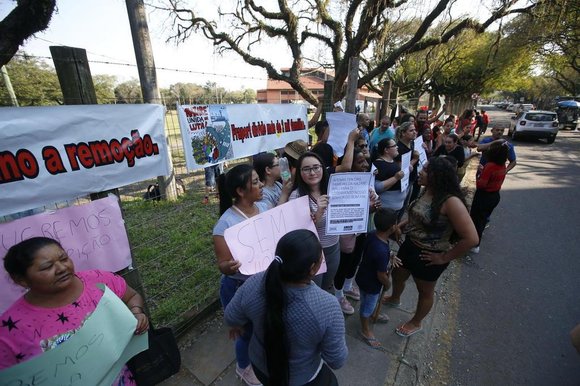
353	293
474	250
247	375
345	306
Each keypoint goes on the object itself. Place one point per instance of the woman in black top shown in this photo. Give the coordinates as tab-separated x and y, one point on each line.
451	148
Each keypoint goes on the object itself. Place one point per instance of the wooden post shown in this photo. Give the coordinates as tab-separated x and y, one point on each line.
74	75
396	105
148	79
8	85
328	103
352	86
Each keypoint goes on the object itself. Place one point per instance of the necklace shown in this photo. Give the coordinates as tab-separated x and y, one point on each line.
242	213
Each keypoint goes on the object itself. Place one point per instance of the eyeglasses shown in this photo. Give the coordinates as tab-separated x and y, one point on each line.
363	145
311	169
274	165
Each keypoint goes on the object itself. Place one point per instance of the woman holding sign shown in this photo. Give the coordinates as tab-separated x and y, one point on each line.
57	303
240	195
312	179
299	332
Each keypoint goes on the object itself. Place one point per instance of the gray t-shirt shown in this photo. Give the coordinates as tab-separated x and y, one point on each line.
271	194
314	326
230	218
325	240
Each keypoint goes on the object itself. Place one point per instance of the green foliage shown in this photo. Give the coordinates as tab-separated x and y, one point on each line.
129	92
34	82
105	88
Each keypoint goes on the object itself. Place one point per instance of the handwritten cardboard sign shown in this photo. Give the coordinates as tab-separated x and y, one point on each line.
93	235
253	241
94	355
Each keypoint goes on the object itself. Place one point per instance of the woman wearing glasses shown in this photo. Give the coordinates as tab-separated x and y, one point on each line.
267	165
311	179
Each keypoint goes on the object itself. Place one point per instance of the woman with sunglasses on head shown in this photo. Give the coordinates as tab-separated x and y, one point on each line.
437	216
299	331
311	180
240	195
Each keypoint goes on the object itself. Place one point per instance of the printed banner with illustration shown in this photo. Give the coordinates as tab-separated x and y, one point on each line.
213	134
94	355
51	154
253	241
93	235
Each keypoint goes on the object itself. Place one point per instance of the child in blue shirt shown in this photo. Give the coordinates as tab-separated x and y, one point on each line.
373	272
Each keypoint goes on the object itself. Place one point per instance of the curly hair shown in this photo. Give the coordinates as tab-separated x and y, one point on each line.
443	183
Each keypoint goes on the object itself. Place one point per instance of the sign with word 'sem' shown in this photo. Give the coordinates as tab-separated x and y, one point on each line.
51	154
93	235
213	134
253	241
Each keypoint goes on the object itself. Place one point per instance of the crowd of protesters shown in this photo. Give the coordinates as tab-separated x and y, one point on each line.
288	322
288	328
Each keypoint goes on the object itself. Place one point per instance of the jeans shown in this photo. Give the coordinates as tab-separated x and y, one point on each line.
228	288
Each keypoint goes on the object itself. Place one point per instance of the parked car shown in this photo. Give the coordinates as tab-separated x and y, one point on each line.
524	107
535	123
510	107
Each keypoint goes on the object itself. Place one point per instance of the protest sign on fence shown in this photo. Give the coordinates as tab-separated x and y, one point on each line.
348	207
93	235
253	241
216	133
51	154
93	355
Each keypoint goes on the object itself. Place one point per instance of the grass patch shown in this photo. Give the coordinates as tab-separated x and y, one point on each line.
172	247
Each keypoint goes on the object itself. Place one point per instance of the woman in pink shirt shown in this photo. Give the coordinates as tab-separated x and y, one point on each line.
57	303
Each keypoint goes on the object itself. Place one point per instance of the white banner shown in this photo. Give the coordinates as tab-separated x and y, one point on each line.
216	133
51	154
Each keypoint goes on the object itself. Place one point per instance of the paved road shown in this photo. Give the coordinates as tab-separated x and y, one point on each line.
517	300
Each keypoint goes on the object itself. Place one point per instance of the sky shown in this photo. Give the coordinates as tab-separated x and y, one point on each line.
101	27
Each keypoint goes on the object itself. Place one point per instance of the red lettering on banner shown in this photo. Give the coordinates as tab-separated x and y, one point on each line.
14	167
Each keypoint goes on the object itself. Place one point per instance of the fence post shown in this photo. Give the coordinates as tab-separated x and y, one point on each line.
148	79
385	109
352	86
327	104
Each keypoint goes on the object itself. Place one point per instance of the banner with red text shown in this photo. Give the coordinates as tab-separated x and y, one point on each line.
51	154
216	133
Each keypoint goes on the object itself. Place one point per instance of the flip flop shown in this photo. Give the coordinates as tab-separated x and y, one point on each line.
406	333
390	304
372	342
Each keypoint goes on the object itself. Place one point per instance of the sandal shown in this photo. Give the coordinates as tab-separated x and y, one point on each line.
372	342
382	318
387	302
405	332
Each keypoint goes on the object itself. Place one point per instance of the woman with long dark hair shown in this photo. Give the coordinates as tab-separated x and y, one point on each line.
298	329
240	195
489	183
437	216
311	180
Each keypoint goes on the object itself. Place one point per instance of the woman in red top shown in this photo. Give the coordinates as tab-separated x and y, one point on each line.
488	186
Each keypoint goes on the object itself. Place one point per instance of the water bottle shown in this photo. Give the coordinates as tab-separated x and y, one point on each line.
284	169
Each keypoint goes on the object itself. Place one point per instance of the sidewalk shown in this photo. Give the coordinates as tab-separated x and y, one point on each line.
208	355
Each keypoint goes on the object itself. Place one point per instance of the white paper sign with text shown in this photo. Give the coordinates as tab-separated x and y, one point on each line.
348	207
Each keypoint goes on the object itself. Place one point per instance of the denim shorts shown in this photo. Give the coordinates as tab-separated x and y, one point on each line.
368	302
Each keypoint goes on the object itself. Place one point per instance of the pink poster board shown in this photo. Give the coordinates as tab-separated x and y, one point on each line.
93	235
253	242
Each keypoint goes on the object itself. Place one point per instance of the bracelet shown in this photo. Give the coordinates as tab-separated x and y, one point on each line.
141	308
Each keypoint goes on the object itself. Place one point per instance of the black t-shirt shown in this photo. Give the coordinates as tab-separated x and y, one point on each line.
325	152
386	170
456	153
375	259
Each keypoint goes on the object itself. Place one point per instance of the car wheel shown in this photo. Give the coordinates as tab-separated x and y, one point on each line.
551	139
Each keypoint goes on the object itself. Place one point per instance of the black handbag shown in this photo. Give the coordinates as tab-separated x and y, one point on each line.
159	362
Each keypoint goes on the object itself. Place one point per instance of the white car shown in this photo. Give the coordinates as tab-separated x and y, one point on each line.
535	123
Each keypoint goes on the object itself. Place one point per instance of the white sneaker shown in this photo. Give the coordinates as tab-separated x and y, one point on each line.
345	306
474	250
247	375
353	293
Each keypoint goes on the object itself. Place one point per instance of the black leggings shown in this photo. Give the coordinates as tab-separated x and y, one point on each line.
481	208
325	377
349	262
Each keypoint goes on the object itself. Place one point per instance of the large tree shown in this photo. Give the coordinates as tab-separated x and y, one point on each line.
26	19
344	29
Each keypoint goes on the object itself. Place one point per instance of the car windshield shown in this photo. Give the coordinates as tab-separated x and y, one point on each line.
540	117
